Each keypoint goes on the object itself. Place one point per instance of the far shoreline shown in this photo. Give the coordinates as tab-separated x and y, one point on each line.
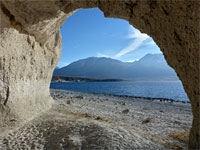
89	79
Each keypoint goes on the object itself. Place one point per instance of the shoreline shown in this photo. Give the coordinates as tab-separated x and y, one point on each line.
128	96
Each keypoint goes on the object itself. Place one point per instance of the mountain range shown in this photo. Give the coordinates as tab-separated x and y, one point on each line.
149	67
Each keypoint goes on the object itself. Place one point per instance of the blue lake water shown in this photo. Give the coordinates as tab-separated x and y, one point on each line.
155	89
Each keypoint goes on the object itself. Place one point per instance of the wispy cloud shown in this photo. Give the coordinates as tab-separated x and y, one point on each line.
138	39
133	60
101	55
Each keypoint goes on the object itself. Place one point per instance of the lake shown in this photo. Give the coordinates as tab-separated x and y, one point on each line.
155	89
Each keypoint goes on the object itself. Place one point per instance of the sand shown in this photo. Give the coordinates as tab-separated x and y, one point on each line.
97	121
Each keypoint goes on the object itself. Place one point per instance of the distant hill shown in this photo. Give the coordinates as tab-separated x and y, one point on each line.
150	67
81	79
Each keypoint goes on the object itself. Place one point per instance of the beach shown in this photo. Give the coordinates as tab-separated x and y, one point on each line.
99	121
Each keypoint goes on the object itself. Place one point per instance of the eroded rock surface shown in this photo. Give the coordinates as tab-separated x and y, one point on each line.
30	47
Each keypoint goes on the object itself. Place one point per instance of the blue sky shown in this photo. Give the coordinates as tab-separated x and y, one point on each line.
87	33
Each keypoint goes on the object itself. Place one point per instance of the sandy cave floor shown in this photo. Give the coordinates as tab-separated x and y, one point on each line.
97	121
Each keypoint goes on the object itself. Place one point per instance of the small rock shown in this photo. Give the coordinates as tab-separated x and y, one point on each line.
177	122
147	120
13	119
69	102
125	111
98	118
86	115
123	103
81	97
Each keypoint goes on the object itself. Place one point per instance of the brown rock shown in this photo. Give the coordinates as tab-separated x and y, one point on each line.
147	120
125	111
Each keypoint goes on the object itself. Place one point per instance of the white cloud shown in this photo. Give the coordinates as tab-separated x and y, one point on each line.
102	55
62	64
65	64
135	33
133	60
151	43
138	39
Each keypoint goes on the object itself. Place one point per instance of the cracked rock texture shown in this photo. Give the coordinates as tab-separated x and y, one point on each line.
30	47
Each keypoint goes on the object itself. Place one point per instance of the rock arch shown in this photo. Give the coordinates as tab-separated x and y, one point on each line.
30	47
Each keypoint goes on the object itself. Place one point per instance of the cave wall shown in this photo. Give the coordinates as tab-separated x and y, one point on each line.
26	63
30	47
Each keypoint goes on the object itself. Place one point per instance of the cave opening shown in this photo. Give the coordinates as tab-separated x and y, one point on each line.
95	47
